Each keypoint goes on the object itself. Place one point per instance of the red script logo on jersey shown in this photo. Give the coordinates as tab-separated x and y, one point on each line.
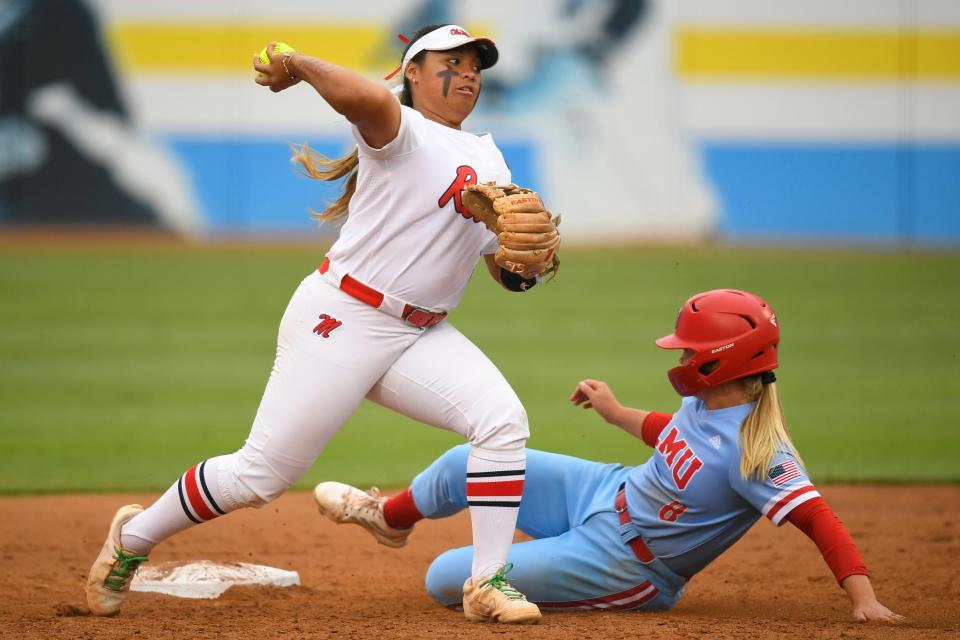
685	465
465	175
326	326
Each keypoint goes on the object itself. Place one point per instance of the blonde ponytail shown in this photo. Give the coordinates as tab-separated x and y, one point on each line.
314	164
764	431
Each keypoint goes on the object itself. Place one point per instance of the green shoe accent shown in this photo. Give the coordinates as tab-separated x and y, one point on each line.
120	574
499	582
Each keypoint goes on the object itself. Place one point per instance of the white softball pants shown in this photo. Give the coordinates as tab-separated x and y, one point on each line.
436	376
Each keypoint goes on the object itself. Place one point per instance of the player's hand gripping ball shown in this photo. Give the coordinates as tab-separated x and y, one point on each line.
526	231
274	69
279	47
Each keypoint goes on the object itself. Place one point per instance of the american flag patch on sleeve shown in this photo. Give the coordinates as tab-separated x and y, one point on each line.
784	473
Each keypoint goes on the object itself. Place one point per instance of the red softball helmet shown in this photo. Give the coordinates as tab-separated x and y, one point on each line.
735	329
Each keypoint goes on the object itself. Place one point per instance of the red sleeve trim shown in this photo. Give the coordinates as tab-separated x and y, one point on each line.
818	521
780	506
653	424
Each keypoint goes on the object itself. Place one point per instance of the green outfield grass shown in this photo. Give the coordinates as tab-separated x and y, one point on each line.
120	367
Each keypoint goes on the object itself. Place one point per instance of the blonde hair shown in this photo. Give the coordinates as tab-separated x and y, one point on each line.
764	431
314	164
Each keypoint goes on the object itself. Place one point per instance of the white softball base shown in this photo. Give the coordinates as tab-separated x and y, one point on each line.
205	579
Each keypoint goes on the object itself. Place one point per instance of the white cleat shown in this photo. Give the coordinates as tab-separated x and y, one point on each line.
345	504
495	600
110	575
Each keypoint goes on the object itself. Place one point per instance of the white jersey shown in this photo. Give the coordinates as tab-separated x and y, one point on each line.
407	233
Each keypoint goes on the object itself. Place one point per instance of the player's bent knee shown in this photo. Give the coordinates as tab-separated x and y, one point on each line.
268	494
248	495
254	485
509	431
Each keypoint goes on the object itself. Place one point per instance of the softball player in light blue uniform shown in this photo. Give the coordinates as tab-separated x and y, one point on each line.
619	538
569	508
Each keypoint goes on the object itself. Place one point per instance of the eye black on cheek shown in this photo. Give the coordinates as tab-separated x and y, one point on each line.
447	75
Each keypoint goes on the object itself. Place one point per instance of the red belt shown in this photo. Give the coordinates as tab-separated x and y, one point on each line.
411	314
639	547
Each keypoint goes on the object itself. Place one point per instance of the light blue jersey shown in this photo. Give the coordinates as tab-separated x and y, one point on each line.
688	502
689	499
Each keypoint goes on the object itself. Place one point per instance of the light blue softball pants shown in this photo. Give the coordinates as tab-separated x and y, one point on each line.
577	559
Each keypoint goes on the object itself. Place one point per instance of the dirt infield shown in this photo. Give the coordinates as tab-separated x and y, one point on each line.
772	584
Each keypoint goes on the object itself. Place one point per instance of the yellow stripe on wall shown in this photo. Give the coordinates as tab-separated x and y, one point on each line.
219	48
847	54
224	48
938	54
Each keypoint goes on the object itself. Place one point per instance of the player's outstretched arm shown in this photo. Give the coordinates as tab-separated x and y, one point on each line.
597	395
817	520
866	607
639	423
368	105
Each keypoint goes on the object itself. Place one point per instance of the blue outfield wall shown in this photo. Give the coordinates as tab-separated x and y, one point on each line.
874	193
882	193
248	185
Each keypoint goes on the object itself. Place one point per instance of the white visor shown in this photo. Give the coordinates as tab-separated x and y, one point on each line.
448	37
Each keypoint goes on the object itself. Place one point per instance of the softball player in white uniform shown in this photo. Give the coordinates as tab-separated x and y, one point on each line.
370	321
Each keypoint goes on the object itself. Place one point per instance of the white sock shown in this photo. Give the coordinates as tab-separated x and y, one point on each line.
494	488
194	498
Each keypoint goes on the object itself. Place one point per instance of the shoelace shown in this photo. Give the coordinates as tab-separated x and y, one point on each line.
499	582
364	501
126	565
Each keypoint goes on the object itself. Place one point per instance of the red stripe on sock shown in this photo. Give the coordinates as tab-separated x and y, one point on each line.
401	511
193	494
504	488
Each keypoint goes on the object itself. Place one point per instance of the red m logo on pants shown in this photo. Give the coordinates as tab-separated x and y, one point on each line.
327	324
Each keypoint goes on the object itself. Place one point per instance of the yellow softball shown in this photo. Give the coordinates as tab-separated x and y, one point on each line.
280	47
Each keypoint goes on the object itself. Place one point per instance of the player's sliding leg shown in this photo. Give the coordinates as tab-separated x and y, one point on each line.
559	492
568	505
588	567
390	520
348	505
315	385
446	381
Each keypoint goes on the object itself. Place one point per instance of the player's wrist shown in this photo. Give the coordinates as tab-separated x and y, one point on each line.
515	281
859	590
616	415
289	65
